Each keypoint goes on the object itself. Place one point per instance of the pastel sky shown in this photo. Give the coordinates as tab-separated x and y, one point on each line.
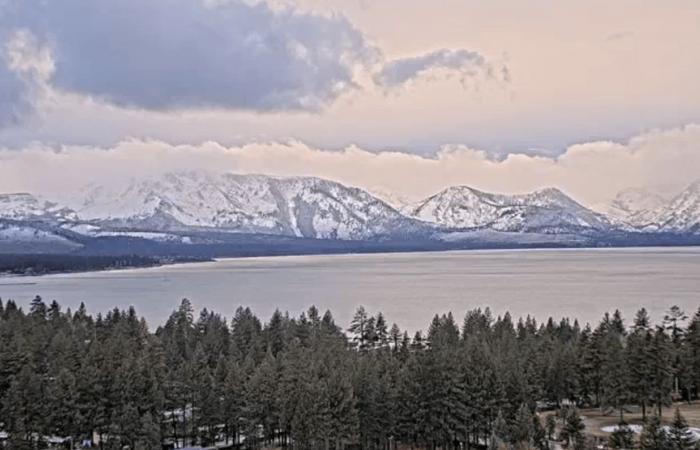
396	96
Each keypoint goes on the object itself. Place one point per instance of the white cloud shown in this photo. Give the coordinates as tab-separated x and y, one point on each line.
590	172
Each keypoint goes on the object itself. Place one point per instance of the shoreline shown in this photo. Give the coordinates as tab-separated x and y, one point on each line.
185	260
9	275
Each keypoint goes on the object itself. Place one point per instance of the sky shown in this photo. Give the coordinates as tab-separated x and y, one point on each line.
400	97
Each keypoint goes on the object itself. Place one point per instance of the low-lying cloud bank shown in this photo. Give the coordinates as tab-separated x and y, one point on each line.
591	172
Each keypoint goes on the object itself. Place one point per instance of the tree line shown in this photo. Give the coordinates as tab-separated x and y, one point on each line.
305	383
41	264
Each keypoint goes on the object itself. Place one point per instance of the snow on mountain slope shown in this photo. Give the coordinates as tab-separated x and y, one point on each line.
632	201
682	214
295	206
23	206
635	209
16	237
647	211
173	207
546	210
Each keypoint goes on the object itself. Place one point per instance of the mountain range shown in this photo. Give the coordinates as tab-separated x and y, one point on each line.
195	208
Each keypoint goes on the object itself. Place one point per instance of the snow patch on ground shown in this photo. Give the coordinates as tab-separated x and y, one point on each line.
636	429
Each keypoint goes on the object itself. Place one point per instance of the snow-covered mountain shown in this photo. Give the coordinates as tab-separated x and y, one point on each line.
682	214
293	206
212	209
24	206
547	210
646	211
635	202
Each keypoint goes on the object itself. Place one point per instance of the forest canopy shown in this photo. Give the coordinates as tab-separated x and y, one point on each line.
305	382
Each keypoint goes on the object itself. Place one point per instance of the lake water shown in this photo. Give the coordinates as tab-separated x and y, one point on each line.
409	288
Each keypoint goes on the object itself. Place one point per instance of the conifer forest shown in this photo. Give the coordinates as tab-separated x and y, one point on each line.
69	379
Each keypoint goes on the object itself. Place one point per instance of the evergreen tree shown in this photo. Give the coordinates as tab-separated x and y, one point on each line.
358	327
679	436
639	355
653	436
572	430
661	370
551	426
622	437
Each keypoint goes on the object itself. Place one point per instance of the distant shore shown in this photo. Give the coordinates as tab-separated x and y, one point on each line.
17	266
26	265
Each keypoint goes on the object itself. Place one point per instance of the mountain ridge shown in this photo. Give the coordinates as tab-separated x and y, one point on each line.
647	211
192	207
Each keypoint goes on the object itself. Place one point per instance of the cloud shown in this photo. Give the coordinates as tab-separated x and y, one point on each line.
591	172
178	54
14	100
16	78
463	63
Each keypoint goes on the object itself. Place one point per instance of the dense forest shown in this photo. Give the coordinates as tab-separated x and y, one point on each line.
305	383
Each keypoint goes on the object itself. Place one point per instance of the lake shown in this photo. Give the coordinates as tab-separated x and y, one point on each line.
409	288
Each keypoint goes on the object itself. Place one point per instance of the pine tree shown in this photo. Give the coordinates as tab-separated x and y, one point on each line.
679	436
615	385
275	334
37	308
673	320
149	434
661	371
539	434
358	327
622	437
640	360
522	431
551	426
395	337
261	407
653	436
380	327
572	431
691	360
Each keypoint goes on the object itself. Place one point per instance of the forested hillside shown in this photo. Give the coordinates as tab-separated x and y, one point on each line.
42	264
303	382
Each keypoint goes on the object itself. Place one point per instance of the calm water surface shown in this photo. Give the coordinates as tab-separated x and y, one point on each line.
408	288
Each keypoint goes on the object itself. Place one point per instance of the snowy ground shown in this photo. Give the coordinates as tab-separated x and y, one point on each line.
637	429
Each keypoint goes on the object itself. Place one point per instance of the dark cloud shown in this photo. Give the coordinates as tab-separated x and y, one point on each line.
12	102
179	54
464	62
14	94
166	55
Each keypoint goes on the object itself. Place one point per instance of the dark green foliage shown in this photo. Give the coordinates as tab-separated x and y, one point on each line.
679	436
653	436
302	383
572	430
40	264
622	437
550	426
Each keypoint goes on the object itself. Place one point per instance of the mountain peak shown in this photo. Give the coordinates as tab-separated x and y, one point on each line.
548	210
295	206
